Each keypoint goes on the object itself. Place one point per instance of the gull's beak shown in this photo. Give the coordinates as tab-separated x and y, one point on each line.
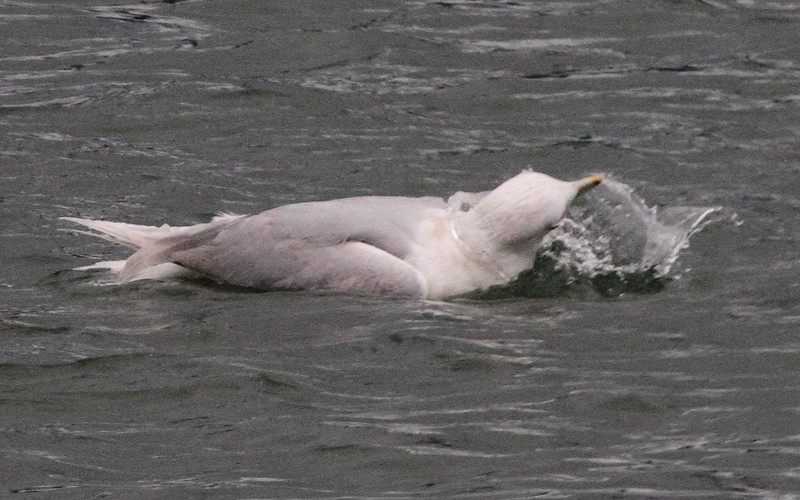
588	183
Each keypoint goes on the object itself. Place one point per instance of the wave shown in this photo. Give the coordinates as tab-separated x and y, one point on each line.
613	242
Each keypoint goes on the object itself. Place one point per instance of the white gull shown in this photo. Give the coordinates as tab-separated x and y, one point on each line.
421	247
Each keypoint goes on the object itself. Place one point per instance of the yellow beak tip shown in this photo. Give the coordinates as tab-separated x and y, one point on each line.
589	182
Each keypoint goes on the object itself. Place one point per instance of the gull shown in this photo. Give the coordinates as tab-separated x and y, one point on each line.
423	247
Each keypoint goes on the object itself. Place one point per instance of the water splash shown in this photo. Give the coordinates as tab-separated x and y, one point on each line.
614	242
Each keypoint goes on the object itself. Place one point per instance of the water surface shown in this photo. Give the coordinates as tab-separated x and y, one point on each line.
574	383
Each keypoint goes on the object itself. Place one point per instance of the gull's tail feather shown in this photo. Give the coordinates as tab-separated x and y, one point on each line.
152	244
130	235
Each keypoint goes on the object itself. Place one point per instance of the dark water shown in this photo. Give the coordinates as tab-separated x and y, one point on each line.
625	385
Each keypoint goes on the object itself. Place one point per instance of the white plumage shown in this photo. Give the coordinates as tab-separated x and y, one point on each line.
422	247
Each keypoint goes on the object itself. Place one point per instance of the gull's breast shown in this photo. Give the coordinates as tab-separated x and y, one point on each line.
445	263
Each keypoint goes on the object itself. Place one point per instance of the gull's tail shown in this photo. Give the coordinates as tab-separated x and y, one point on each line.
152	244
130	235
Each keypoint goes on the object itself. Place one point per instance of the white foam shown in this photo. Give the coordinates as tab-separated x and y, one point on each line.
613	231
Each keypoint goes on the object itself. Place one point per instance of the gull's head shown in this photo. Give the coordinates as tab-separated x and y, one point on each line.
522	210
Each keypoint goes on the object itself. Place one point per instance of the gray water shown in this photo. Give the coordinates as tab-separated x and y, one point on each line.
674	379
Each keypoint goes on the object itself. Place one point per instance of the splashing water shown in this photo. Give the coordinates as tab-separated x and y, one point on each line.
610	239
614	242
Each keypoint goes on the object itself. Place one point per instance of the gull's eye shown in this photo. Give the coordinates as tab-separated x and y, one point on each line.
553	226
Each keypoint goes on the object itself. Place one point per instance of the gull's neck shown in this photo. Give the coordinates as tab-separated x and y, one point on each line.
481	246
476	255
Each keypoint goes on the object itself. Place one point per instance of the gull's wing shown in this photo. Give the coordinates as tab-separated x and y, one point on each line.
354	244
